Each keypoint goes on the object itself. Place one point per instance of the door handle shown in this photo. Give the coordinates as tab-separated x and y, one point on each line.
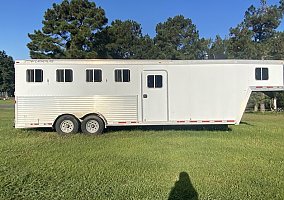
145	96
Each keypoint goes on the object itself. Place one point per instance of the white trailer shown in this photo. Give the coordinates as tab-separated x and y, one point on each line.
94	94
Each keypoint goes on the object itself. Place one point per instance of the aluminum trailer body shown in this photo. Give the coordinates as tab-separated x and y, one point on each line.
139	92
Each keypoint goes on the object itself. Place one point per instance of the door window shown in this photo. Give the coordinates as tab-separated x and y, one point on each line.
154	81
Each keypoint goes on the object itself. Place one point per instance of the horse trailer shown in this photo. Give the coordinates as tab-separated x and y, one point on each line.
92	94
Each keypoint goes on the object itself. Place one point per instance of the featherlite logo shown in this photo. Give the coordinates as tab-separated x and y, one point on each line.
40	61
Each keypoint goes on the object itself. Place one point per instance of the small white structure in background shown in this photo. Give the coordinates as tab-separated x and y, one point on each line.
94	94
274	103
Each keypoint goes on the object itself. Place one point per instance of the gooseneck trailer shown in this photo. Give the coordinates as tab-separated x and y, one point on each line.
95	94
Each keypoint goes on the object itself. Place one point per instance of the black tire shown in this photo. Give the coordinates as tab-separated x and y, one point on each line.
92	125
67	124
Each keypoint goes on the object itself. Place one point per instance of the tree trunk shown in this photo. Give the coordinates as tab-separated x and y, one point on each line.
262	104
274	103
262	107
255	107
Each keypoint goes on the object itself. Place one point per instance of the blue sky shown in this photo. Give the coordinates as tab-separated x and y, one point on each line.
20	17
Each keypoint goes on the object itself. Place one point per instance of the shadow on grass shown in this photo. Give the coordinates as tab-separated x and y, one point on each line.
183	189
5	106
152	128
43	130
170	127
245	123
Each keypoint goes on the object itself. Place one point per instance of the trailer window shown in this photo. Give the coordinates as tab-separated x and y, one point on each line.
38	75
94	75
60	75
158	81
30	75
150	81
264	73
122	75
261	74
34	75
257	73
68	75
64	75
154	81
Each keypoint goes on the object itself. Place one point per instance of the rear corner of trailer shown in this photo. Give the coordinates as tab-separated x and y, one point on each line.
15	93
17	85
283	76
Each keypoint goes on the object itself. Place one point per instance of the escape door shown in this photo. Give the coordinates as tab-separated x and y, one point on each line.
155	96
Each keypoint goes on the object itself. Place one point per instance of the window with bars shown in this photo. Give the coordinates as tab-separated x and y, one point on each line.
64	75
154	81
34	75
261	74
93	75
122	75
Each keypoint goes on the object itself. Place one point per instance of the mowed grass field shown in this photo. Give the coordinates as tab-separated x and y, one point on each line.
6	102
245	162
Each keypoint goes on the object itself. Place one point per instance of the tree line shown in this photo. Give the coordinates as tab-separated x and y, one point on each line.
78	29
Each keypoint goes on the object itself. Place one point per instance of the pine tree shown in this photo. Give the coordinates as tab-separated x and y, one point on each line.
7	74
68	31
178	38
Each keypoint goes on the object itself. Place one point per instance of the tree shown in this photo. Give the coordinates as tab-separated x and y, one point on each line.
68	31
256	37
250	38
124	37
124	40
178	38
240	45
275	46
280	99
263	21
218	49
258	100
146	49
7	74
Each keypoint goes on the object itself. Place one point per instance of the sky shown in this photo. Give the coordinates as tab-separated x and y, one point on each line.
20	17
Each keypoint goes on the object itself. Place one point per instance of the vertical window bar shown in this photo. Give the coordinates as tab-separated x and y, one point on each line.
118	75
60	75
68	75
38	75
97	75
30	75
150	81
158	81
257	73
264	74
89	75
126	75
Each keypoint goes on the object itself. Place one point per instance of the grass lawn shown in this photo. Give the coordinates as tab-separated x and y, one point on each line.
6	102
246	162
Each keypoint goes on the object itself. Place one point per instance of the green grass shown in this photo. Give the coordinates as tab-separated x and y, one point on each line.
244	163
6	102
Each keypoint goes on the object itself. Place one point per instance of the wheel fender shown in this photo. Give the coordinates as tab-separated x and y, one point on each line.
97	114
53	125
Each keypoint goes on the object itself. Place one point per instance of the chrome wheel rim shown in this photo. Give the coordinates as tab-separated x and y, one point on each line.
67	126
92	126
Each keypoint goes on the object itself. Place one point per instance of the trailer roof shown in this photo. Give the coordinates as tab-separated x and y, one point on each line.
142	62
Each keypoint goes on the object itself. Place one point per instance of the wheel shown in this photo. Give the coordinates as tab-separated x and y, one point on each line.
67	124
92	125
